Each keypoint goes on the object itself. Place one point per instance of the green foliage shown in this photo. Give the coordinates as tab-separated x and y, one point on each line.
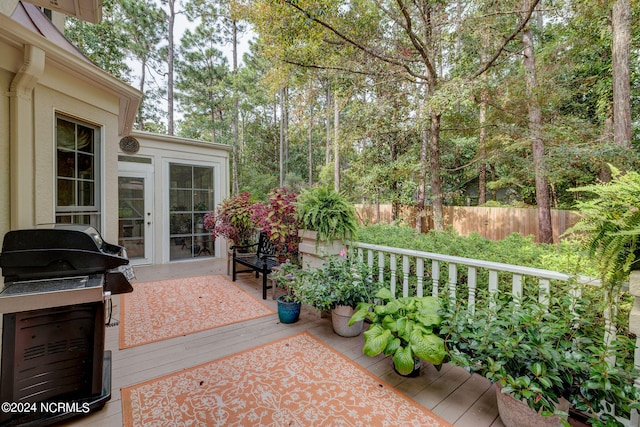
516	249
341	280
324	210
540	352
610	224
290	277
406	328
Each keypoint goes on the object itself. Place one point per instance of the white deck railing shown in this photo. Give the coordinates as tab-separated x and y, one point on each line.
411	272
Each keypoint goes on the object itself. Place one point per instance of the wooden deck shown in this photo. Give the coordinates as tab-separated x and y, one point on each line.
451	393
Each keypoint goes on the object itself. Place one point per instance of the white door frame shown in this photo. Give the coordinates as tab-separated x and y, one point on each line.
144	171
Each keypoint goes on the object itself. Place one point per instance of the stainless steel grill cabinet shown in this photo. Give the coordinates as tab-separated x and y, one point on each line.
53	306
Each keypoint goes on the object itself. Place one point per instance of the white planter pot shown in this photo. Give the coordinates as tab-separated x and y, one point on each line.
340	321
314	255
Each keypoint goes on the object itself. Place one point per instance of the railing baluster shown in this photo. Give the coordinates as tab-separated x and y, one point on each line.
493	282
544	291
453	280
516	286
420	276
471	272
435	275
405	276
393	265
519	273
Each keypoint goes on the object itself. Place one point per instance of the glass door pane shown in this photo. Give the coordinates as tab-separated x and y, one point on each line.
131	216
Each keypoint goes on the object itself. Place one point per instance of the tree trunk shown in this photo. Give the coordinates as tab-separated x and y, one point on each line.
545	234
234	161
482	151
620	73
281	154
327	152
422	190
310	140
286	131
143	74
336	146
434	171
170	54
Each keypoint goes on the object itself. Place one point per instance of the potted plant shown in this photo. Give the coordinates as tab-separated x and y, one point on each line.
327	219
339	285
542	356
288	276
406	328
277	219
233	220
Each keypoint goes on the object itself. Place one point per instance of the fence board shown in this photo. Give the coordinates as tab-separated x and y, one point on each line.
491	222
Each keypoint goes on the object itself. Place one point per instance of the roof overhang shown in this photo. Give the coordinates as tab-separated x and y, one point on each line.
87	10
129	97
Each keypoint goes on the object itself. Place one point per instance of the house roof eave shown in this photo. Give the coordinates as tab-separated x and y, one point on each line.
17	35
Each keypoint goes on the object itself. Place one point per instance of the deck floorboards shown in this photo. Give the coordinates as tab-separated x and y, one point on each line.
462	399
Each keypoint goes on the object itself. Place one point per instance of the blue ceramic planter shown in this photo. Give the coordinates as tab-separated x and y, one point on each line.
288	312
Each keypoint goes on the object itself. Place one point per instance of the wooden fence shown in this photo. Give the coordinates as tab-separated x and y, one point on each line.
492	223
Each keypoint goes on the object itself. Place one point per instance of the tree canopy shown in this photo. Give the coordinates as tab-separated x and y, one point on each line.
410	103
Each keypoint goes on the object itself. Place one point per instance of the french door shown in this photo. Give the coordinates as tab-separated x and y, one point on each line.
135	216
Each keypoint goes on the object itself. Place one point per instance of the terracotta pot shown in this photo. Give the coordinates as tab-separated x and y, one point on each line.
340	321
515	413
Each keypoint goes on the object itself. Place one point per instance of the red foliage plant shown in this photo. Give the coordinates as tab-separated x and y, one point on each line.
233	219
277	219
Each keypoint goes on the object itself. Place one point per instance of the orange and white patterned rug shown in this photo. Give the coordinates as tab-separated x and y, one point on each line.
155	311
295	381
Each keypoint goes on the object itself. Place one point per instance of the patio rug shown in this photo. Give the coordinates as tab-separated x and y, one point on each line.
295	381
155	311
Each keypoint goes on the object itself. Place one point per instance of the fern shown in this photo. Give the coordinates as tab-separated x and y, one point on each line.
610	224
327	212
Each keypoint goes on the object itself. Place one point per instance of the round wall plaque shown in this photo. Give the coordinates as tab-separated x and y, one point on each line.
129	145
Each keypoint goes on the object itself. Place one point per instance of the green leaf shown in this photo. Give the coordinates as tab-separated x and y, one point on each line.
375	340
428	347
403	360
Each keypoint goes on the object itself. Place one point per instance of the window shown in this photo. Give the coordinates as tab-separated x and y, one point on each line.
77	172
190	197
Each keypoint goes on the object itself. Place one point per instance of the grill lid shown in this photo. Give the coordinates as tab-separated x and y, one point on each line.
64	250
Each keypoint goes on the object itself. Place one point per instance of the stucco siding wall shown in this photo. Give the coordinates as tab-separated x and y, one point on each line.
5	214
77	101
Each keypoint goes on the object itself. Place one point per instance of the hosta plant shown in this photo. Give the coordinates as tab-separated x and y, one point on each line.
405	328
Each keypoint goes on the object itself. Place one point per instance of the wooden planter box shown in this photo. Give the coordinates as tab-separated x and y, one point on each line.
314	255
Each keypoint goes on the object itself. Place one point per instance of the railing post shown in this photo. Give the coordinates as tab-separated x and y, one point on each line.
435	276
634	328
420	276
381	267
405	276
453	280
394	267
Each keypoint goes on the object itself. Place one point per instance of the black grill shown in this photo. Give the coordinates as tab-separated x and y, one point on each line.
56	280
